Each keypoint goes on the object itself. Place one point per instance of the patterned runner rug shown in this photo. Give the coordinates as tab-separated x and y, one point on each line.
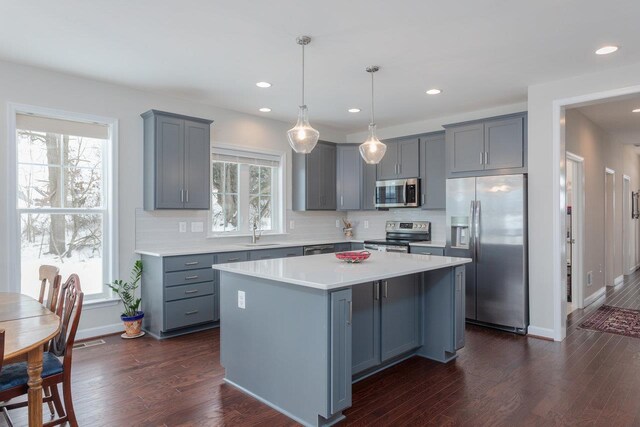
615	320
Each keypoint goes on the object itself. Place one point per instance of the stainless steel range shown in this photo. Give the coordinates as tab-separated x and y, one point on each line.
399	235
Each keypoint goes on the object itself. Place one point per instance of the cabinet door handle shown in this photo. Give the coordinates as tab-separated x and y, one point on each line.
350	312
386	289
190	277
191	291
376	290
341	200
181	195
188	313
186	192
423	198
265	257
233	259
486	157
192	263
399	168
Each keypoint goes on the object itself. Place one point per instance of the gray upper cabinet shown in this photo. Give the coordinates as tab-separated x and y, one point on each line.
349	177
176	161
314	178
368	187
402	159
488	147
503	140
433	171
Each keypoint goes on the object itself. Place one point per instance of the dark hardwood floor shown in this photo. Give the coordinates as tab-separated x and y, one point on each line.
591	378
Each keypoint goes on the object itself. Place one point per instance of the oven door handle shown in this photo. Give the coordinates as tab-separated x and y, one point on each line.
405	193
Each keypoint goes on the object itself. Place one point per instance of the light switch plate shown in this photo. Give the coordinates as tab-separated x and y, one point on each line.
366	223
197	227
292	225
182	226
337	223
241	300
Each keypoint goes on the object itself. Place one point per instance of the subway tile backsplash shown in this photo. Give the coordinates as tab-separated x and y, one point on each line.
161	229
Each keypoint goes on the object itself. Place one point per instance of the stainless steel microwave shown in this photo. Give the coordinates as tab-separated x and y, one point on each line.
398	193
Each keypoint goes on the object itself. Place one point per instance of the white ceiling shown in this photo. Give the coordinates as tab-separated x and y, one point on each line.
615	116
480	53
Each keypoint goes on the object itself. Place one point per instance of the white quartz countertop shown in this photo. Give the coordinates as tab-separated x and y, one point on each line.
235	247
326	272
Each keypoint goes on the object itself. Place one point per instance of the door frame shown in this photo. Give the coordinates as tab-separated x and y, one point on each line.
577	214
627	264
609	172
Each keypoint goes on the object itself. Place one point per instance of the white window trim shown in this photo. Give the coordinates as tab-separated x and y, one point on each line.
281	193
110	260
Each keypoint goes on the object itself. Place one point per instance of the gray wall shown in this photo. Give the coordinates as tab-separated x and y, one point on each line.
600	151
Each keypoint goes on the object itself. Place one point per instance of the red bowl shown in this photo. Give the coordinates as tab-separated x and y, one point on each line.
353	256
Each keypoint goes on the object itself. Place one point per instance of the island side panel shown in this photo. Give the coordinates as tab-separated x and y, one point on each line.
278	347
443	318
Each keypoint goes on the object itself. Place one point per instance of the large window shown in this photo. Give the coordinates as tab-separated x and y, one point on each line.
246	190
62	201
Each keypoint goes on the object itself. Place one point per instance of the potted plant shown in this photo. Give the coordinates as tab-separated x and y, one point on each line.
131	316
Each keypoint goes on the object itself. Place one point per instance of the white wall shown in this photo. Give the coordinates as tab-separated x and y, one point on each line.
39	87
547	276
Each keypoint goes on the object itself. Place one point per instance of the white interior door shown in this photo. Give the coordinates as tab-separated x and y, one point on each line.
626	225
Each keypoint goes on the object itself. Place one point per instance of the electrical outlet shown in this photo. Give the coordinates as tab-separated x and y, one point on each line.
182	226
292	225
241	300
366	223
337	223
589	278
197	227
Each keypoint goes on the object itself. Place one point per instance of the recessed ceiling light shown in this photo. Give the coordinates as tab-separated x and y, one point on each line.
265	110
263	84
354	110
434	91
637	110
605	50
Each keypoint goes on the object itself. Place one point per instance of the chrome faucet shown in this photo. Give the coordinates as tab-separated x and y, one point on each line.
254	237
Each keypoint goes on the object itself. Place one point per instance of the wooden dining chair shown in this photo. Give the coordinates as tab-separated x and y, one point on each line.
49	275
14	378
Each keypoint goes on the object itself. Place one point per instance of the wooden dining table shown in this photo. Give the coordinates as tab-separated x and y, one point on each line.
28	326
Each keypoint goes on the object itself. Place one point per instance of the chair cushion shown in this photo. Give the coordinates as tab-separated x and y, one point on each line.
15	374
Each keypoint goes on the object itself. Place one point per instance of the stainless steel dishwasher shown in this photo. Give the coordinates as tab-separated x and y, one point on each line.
319	249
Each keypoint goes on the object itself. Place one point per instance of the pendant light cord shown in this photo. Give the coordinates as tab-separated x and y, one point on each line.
302	74
372	112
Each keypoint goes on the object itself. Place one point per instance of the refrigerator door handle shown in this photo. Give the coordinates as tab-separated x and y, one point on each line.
472	221
477	228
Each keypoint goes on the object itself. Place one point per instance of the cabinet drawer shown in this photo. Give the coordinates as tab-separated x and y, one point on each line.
188	262
189	276
188	291
231	257
188	312
423	250
275	253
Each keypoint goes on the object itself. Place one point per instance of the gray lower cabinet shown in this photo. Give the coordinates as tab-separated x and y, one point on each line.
459	307
433	174
349	177
179	294
487	147
366	327
401	160
386	320
314	178
342	247
400	316
340	340
427	250
176	161
275	253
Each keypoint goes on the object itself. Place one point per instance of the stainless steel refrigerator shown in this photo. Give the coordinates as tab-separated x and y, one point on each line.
487	222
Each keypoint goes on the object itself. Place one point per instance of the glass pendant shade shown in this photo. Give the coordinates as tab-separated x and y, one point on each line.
372	150
302	137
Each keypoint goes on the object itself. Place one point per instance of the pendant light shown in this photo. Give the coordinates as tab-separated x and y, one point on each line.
372	150
302	137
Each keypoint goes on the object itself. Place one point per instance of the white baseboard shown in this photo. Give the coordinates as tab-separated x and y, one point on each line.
541	332
594	297
618	281
84	334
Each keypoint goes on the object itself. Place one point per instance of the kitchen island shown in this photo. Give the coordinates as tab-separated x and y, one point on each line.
296	332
